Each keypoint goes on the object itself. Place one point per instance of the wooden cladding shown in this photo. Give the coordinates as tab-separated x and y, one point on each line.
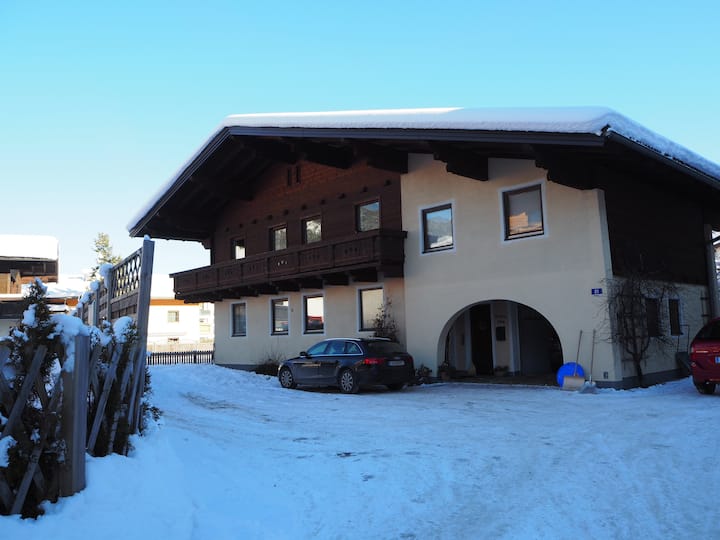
290	197
378	251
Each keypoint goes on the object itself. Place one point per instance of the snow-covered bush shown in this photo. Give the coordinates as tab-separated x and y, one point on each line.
57	333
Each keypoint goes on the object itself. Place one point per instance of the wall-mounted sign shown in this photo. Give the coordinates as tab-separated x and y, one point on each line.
596	292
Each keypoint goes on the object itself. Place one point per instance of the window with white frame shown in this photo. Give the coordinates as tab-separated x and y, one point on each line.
370	301
239	319
280	316
437	226
523	212
314	314
173	316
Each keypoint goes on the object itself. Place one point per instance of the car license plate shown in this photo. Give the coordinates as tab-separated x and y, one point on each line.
394	363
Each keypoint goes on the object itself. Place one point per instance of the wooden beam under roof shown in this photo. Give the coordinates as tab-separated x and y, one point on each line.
339	157
279	151
464	162
383	157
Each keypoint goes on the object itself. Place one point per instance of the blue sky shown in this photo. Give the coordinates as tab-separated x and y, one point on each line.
100	103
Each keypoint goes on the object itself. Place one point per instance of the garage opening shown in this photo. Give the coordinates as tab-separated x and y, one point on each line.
503	341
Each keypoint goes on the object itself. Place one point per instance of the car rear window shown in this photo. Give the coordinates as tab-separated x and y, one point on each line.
384	347
710	331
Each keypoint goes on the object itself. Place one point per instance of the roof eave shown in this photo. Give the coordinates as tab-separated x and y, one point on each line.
676	164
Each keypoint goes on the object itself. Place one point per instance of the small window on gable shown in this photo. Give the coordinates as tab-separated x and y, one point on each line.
367	216
437	224
278	238
239	319
312	230
674	317
238	248
173	316
523	212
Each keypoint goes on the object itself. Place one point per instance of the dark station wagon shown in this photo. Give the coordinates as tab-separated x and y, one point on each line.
349	364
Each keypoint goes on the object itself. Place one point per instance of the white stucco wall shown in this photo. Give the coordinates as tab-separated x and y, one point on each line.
554	273
341	319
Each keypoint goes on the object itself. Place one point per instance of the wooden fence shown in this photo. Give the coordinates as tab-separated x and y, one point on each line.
90	405
181	357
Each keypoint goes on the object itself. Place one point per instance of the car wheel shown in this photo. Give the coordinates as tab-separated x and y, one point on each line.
286	378
395	386
705	388
348	382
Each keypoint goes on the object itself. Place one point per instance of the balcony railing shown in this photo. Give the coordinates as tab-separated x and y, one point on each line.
381	250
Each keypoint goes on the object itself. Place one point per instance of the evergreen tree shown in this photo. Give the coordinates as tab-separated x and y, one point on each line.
103	254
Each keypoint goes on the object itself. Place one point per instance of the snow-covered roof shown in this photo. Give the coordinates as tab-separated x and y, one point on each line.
68	286
25	246
590	120
597	121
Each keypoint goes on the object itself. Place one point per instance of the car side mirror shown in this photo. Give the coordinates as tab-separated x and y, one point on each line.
304	354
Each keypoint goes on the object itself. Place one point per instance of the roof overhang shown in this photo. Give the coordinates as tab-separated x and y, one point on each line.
245	146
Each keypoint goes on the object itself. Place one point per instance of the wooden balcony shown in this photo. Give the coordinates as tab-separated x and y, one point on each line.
360	257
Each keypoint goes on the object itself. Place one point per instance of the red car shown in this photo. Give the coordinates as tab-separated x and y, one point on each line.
705	357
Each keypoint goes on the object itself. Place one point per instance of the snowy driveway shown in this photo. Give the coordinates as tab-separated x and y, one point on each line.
239	457
441	461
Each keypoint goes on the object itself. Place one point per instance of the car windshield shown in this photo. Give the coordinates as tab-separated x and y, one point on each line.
384	347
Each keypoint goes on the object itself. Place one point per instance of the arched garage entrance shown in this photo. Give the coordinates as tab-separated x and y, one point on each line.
500	338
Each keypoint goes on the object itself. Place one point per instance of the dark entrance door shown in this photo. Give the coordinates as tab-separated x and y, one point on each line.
482	352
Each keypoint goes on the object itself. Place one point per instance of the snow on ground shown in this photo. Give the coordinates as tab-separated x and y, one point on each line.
236	456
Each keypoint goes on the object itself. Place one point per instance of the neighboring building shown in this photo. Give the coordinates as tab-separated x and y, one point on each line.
22	259
176	325
491	235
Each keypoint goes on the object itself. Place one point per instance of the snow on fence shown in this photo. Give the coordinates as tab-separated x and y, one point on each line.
181	357
55	424
91	403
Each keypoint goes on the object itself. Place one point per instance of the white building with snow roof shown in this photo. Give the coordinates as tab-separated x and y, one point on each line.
492	236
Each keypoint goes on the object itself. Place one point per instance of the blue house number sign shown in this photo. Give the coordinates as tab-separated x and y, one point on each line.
596	292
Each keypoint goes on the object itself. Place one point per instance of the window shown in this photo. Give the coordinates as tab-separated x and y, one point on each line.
173	316
318	348
674	316
367	216
280	312
437	224
238	248
652	315
313	310
278	238
312	230
239	319
523	212
370	305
